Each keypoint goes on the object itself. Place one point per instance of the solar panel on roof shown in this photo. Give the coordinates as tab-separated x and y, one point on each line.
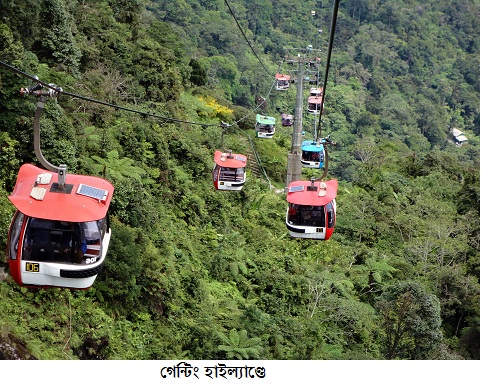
241	158
38	193
96	193
44	178
296	188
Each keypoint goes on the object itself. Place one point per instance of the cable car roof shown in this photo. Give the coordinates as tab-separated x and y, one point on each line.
299	193
311	146
280	76
262	119
84	198
314	99
235	161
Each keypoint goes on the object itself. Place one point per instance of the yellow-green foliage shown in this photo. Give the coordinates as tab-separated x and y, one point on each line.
214	109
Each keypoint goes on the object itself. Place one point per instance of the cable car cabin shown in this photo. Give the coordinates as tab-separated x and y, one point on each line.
282	82
265	126
311	213
312	155
315	92
291	59
314	104
60	233
286	120
229	171
314	61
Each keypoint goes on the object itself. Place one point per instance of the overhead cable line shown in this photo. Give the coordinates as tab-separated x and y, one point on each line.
257	107
256	155
59	90
328	60
245	37
55	90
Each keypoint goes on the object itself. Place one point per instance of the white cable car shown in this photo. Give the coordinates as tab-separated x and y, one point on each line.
286	120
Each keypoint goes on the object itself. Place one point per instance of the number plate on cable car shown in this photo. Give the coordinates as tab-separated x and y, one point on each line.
32	267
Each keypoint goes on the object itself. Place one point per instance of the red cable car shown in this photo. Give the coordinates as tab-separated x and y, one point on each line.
282	82
229	171
60	234
314	104
311	213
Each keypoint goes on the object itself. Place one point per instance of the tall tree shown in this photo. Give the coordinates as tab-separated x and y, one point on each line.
55	42
411	321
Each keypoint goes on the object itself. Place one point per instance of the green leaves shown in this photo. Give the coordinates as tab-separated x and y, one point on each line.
238	346
411	321
118	169
8	160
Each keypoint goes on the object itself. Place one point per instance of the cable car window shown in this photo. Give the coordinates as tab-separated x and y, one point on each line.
265	128
91	232
306	215
312	156
232	174
54	241
316	216
330	215
15	234
103	226
293	214
215	172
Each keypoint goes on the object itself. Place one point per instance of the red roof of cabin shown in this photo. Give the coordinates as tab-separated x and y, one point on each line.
314	99
60	206
304	197
280	76
237	161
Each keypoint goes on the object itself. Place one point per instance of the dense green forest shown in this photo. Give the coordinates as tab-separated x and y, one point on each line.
196	273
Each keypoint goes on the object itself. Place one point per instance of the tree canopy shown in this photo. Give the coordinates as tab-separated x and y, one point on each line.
196	273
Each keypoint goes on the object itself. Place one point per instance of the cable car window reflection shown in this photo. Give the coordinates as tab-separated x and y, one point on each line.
15	234
306	215
312	156
269	128
58	241
232	174
316	216
91	231
330	215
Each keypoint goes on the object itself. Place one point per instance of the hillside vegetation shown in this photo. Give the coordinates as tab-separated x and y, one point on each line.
195	273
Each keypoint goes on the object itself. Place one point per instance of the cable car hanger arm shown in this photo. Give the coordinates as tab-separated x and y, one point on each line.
42	94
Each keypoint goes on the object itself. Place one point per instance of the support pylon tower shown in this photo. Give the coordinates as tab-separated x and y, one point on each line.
294	166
